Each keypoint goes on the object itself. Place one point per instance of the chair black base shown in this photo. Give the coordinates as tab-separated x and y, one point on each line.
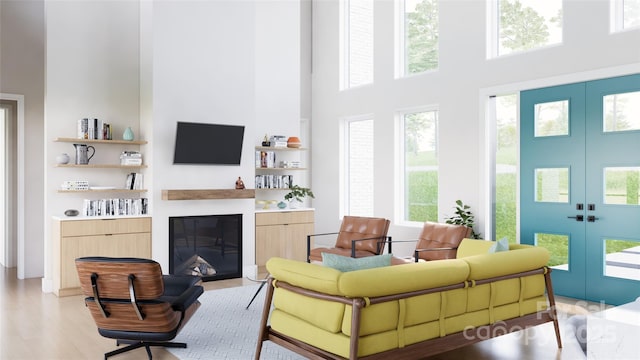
146	344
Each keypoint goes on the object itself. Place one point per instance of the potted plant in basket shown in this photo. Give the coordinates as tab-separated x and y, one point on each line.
297	194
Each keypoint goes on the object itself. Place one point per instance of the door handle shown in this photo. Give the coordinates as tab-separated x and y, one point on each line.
592	218
577	217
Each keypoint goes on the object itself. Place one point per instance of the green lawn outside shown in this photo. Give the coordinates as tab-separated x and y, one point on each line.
423	202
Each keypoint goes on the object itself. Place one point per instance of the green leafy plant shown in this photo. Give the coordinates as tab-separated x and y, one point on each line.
463	216
298	193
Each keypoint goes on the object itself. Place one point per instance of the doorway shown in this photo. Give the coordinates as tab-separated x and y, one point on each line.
8	182
579	183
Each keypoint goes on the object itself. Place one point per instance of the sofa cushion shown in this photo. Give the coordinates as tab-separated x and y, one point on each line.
347	263
399	279
507	262
311	276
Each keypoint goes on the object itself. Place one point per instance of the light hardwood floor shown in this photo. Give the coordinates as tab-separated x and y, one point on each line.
35	325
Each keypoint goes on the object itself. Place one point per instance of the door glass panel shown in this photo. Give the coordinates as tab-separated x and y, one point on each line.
621	112
622	259
558	246
621	185
552	118
552	185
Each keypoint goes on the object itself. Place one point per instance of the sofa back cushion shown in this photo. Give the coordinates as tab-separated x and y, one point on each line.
470	247
522	259
310	276
398	279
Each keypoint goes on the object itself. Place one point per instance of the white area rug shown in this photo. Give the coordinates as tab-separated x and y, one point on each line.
223	329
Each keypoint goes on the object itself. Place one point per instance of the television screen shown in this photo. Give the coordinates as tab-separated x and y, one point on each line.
200	143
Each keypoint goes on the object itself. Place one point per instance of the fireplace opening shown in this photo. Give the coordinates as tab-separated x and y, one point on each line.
209	246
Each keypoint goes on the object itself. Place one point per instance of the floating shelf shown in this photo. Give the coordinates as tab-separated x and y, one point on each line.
278	148
208	194
102	190
103	166
279	168
95	141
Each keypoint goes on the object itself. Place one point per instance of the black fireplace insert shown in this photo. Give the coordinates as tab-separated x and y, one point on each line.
209	246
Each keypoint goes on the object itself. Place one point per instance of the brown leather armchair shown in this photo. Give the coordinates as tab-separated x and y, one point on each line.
131	301
358	236
437	241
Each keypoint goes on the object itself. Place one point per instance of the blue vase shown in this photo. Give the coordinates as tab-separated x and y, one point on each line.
128	134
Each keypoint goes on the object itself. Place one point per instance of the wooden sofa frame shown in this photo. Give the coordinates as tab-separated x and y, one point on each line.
414	351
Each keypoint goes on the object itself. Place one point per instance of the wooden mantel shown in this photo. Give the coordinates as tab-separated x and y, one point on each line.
208	194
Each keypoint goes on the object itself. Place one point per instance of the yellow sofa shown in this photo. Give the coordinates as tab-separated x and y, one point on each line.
406	311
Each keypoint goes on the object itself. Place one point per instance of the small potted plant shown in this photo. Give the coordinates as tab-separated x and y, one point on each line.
297	194
463	216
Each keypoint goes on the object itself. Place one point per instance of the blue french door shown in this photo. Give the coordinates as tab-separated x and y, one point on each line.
579	185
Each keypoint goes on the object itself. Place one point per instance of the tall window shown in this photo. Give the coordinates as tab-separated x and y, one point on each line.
506	160
359	167
357	43
420	165
625	14
418	36
520	25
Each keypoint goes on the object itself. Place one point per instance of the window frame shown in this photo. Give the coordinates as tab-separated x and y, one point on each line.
400	204
345	156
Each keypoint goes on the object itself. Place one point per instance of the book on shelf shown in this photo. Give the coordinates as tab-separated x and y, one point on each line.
94	129
115	207
134	181
271	181
267	159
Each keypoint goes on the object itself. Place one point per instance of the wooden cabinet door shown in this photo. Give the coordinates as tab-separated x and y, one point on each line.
295	241
268	242
121	245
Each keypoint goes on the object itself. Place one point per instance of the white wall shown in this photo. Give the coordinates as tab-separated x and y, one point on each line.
455	88
152	64
22	58
91	71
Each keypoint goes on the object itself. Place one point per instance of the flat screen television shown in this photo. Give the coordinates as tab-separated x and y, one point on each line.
211	144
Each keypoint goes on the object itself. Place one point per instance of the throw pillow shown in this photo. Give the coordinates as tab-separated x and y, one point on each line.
500	245
346	263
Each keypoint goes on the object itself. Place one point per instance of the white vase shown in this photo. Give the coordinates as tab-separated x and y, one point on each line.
62	159
294	204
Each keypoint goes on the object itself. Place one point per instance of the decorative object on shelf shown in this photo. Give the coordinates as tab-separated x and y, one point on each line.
130	158
128	134
239	183
266	204
282	205
71	212
278	140
297	195
265	141
82	153
62	158
293	142
76	185
463	216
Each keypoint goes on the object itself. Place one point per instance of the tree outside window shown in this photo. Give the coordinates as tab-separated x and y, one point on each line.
420	130
420	35
528	24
